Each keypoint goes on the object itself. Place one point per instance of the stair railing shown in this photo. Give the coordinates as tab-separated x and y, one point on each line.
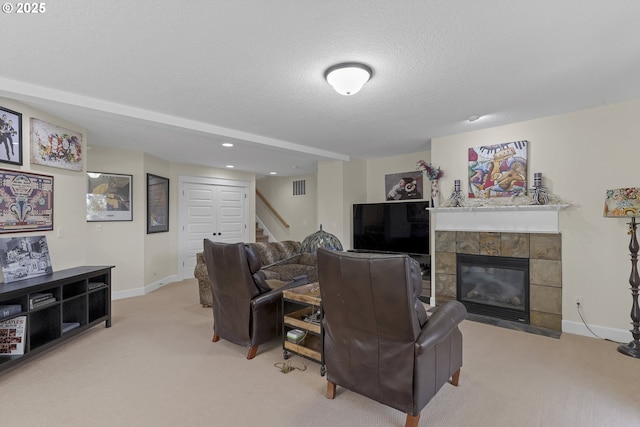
272	209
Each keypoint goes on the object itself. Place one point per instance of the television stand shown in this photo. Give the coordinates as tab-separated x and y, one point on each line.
78	298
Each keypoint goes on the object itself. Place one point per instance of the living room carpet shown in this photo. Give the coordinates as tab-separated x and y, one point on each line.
157	366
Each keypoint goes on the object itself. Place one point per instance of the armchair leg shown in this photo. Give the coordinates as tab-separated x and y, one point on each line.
331	390
412	420
455	377
252	352
215	338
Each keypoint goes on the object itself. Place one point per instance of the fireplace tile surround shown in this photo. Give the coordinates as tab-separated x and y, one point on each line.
544	251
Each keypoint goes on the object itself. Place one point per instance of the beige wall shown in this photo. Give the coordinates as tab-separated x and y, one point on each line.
69	211
580	155
299	212
378	168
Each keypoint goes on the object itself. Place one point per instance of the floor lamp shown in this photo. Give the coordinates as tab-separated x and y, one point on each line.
625	202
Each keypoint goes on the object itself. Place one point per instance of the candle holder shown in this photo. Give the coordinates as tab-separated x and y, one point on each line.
539	193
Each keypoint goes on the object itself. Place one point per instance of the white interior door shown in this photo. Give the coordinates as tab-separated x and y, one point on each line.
209	211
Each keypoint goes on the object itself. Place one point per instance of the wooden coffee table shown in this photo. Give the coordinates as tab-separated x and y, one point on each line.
302	310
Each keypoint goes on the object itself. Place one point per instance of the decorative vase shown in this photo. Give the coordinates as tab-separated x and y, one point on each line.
435	193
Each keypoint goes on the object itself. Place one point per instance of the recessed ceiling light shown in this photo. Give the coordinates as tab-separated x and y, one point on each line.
473	118
227	144
230	166
273	173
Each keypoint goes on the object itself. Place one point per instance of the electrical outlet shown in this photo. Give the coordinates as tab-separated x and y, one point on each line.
579	301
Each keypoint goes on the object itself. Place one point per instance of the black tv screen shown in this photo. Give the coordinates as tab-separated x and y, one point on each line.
391	227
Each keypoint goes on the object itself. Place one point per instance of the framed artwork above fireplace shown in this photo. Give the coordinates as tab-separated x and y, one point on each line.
498	170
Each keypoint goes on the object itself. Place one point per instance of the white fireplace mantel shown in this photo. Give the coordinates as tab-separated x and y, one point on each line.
517	218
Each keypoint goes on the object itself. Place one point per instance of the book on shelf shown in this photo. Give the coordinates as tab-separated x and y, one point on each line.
7	310
12	336
43	303
68	326
96	285
40	297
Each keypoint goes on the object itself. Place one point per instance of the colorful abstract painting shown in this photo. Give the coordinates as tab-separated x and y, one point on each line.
54	146
498	170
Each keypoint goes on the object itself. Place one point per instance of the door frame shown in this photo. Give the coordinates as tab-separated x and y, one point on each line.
183	215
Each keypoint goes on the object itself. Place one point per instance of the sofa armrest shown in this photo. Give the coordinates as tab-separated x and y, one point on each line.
440	325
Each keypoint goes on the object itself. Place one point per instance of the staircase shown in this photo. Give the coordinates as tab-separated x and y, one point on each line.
260	236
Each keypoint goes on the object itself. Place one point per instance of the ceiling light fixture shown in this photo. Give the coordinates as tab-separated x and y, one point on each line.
348	78
474	118
227	144
273	173
230	166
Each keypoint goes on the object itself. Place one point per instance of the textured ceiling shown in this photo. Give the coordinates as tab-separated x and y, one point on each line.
176	79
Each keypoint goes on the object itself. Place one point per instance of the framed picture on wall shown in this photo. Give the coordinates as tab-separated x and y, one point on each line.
109	197
157	204
55	146
26	201
10	136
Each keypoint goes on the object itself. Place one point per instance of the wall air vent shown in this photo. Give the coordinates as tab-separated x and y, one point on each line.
299	187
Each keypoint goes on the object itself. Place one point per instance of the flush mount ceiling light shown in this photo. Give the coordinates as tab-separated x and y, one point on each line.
348	78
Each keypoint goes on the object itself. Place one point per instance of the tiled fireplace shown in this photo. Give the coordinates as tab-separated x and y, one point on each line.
542	250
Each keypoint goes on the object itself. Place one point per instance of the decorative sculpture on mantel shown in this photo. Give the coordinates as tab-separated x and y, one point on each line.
456	198
539	193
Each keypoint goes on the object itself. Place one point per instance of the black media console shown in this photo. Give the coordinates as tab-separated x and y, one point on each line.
75	300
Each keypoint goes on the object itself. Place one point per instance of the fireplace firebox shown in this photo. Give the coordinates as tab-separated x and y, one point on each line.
494	286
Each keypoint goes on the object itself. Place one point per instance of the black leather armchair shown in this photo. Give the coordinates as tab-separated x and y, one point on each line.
378	340
246	309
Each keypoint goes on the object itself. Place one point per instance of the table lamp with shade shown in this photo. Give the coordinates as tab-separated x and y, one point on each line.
625	202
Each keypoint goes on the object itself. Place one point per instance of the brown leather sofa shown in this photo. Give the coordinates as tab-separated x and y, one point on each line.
246	309
379	341
280	261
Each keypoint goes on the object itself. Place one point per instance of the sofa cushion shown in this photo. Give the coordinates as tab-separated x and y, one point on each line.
272	252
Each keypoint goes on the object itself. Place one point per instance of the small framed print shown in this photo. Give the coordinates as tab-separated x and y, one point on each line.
109	197
10	136
157	204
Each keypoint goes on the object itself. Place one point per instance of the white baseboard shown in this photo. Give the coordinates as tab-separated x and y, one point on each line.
603	332
136	292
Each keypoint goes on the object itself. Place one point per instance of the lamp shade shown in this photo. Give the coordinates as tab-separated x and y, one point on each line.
320	239
348	78
622	202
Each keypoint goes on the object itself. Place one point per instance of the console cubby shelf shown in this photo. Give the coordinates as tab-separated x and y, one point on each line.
82	300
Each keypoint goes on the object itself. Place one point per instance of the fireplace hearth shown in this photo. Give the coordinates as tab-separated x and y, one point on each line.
494	286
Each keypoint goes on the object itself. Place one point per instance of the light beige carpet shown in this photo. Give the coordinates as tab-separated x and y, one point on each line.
157	366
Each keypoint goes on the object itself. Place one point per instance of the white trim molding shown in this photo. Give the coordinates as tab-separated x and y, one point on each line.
520	218
136	292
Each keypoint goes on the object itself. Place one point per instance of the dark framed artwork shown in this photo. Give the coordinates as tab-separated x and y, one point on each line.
403	186
109	197
26	201
157	204
10	136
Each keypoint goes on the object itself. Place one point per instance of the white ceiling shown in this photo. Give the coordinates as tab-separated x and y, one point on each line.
175	79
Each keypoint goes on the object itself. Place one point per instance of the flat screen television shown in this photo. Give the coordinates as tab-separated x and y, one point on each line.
391	227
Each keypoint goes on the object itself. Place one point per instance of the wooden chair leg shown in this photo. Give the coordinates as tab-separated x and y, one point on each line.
252	352
455	377
412	420
331	390
215	338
